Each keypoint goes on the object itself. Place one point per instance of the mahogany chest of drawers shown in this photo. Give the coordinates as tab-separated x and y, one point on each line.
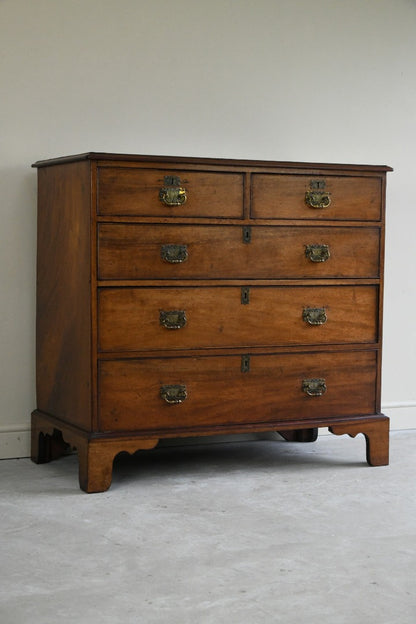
189	297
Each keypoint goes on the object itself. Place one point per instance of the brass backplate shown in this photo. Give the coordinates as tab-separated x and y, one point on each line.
172	194
173	394
317	253
314	387
174	254
172	319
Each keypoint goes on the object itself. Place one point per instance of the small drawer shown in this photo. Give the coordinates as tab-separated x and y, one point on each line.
200	393
142	319
130	251
132	191
316	197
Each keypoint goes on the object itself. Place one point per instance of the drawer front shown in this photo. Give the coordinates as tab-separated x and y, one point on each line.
309	197
130	251
142	394
163	193
137	319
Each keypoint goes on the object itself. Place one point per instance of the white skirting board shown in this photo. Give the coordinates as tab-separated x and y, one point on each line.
15	439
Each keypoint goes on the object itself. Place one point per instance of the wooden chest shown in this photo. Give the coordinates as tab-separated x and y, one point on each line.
189	297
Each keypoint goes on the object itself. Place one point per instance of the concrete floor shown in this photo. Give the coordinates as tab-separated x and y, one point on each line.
235	533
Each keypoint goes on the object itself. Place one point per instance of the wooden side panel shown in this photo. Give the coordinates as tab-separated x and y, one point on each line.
220	393
141	319
63	315
283	197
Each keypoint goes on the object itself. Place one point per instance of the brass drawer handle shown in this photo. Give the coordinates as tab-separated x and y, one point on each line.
174	254
318	199
172	319
172	194
314	387
315	316
317	253
173	394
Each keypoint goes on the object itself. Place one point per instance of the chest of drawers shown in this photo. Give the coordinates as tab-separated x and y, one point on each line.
188	297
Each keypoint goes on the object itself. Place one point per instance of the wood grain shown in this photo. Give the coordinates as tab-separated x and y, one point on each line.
131	191
103	355
129	318
219	393
129	251
63	313
283	197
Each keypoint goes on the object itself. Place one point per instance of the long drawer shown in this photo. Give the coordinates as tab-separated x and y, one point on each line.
316	197
169	193
180	393
134	319
131	251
